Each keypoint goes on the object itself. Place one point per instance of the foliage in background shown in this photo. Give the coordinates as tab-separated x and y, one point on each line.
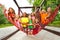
57	18
3	19
5	25
47	3
35	3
